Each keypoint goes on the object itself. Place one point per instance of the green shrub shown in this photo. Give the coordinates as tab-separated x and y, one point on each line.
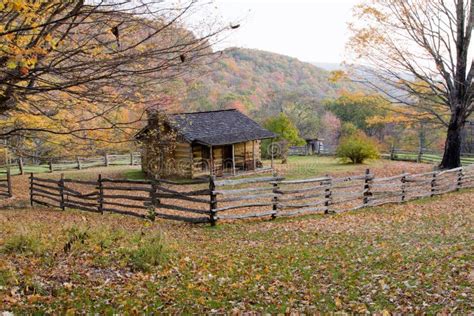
7	277
25	244
75	236
357	148
151	251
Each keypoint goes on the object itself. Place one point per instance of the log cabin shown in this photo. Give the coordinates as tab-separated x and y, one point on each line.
220	143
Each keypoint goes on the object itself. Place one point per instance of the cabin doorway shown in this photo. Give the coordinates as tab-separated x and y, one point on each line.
227	159
206	158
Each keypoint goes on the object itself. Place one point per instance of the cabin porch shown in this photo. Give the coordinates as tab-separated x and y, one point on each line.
227	160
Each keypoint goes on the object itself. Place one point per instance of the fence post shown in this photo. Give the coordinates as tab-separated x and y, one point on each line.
9	182
272	159
459	182
20	165
61	192
31	189
101	194
392	152
328	195
420	155
403	187
154	201
50	166
275	198
433	184
367	182
106	160
79	167
131	158
213	200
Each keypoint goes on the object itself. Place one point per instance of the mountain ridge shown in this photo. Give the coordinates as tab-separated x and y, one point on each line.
250	79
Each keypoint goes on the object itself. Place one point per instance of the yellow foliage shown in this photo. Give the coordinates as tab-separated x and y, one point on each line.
337	75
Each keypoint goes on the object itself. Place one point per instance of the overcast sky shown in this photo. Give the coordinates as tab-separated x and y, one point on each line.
311	30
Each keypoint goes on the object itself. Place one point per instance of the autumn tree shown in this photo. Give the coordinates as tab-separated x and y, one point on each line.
419	53
358	108
91	67
286	131
410	128
330	131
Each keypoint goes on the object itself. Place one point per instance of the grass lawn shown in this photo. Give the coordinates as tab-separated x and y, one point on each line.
300	167
27	169
411	258
311	166
307	166
297	167
44	168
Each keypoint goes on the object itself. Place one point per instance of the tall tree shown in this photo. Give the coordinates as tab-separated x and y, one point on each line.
358	108
287	134
86	60
419	53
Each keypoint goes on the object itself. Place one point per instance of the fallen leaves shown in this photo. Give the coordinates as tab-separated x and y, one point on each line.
411	258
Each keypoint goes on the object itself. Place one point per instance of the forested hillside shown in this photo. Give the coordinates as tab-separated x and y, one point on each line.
252	80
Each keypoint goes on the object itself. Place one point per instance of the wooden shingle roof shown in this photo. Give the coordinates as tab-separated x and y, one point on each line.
217	127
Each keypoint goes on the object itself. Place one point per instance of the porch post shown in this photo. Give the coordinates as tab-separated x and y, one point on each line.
211	163
271	151
253	156
233	160
245	156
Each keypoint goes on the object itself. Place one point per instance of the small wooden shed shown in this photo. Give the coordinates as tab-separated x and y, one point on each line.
314	145
224	142
468	138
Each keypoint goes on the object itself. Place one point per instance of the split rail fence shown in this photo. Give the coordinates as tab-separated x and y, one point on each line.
24	165
424	156
211	200
5	183
140	198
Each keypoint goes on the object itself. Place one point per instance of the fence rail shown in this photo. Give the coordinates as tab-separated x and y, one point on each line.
305	151
277	197
140	198
22	166
424	156
211	200
5	183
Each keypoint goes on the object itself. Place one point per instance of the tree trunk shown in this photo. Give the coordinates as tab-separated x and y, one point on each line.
452	148
284	152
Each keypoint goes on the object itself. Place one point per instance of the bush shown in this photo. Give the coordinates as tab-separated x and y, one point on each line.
348	129
357	148
151	251
7	277
22	244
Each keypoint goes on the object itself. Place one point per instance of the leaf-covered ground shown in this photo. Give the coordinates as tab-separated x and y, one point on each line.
410	258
